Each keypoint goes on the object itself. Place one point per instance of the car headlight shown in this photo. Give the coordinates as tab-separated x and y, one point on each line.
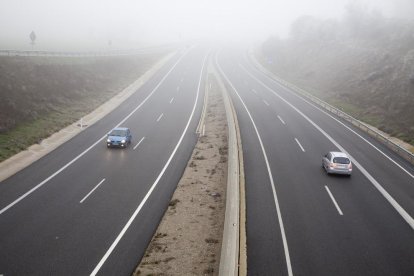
123	141
108	140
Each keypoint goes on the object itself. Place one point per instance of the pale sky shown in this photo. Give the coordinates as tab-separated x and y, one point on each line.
91	24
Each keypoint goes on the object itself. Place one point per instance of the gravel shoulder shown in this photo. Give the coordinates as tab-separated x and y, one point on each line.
188	239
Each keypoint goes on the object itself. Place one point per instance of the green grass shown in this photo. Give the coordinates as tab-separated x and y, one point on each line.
58	95
358	113
349	108
371	119
29	133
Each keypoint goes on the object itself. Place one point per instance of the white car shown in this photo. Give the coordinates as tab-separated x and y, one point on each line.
337	163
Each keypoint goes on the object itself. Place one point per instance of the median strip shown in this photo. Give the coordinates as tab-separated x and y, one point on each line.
190	239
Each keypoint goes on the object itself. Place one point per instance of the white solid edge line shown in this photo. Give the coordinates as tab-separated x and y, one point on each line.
83	199
344	125
172	99
384	193
334	201
131	219
159	118
280	118
140	141
266	103
94	144
278	211
299	144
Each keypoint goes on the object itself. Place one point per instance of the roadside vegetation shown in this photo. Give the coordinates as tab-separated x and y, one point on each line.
363	64
41	95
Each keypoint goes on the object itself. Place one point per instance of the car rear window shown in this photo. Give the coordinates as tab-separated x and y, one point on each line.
341	160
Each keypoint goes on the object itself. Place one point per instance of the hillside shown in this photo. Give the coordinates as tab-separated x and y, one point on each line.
40	95
363	64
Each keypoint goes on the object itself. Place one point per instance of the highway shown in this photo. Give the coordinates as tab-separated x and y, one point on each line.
301	221
84	209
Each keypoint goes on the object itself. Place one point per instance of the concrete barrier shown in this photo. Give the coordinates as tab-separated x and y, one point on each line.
232	260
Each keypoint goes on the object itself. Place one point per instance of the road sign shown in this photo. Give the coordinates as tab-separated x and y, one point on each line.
32	37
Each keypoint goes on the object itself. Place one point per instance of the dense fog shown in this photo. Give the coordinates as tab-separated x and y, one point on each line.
105	24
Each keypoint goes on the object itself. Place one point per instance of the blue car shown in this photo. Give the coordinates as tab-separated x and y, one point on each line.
119	137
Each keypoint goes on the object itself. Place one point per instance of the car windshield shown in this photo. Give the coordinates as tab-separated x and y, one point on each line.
118	132
341	160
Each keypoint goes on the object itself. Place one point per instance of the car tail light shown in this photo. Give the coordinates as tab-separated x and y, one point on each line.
332	165
350	166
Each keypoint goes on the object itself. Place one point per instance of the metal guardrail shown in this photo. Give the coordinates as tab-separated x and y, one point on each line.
407	155
34	53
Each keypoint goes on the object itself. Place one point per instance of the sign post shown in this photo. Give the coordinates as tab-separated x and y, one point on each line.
32	38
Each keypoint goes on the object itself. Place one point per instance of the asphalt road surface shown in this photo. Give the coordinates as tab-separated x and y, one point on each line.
301	221
84	209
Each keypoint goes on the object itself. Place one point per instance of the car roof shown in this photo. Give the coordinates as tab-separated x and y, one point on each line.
338	154
120	128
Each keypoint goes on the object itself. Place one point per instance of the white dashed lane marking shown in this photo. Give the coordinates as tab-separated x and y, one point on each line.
297	141
140	141
334	201
159	118
83	199
280	118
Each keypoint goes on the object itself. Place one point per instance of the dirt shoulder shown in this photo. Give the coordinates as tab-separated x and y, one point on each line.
188	239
